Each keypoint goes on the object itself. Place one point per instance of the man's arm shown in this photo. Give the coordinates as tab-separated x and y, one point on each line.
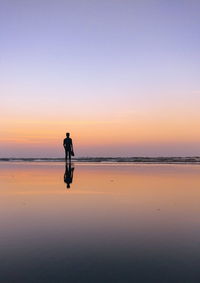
72	149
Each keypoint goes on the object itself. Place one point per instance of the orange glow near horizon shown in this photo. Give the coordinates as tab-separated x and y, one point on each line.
97	132
147	130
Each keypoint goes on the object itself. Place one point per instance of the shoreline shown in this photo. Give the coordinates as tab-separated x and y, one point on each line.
108	160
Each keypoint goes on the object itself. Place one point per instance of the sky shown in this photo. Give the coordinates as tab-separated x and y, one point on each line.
122	76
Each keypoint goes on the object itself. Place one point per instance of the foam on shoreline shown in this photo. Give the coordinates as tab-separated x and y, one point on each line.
161	160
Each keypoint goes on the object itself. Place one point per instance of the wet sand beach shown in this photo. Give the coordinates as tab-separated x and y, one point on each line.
116	222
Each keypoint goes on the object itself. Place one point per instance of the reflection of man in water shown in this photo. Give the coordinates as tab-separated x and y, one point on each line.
68	146
68	176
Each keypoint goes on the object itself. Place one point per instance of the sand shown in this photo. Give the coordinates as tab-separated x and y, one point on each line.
116	222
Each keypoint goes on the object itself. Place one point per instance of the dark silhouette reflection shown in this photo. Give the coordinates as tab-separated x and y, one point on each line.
68	146
69	172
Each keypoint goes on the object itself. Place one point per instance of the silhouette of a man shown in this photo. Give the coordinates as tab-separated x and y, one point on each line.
68	146
68	176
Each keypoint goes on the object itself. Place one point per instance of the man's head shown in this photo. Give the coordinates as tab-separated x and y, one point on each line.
67	135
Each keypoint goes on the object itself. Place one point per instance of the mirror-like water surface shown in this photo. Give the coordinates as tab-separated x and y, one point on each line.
99	223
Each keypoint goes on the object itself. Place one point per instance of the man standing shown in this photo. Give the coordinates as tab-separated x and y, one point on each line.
68	146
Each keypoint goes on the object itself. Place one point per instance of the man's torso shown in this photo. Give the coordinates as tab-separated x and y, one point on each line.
67	142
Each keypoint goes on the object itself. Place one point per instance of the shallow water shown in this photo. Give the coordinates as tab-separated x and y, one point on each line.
116	223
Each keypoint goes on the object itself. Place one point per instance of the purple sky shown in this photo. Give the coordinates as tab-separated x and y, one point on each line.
121	76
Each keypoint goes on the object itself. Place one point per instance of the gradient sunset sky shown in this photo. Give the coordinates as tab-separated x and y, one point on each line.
122	76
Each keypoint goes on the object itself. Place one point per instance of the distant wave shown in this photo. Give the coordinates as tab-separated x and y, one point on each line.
159	160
